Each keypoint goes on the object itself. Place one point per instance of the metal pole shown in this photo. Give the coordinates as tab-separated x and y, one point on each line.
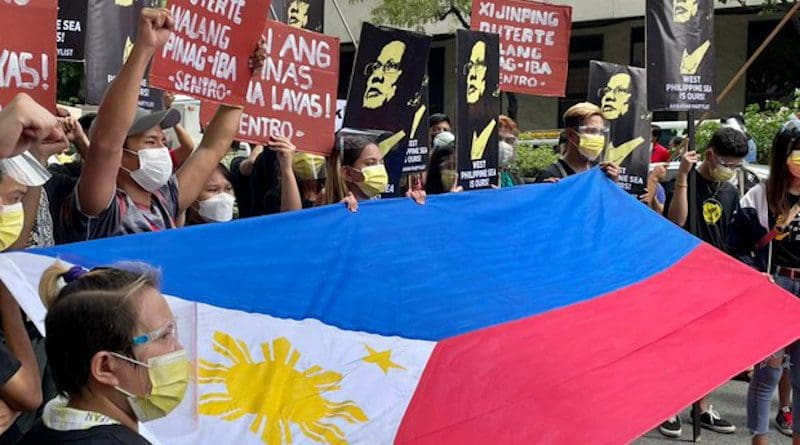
693	229
344	22
272	10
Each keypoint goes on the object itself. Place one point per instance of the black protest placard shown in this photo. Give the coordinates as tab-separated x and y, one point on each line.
680	55
620	92
304	14
385	90
70	27
110	32
477	107
417	152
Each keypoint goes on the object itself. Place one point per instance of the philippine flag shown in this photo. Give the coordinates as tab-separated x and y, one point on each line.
502	317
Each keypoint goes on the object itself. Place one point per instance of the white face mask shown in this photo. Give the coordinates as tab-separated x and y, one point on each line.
155	168
506	154
218	208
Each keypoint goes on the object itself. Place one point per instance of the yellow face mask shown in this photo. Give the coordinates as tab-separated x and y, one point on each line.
12	218
793	162
375	180
308	167
720	173
592	145
169	377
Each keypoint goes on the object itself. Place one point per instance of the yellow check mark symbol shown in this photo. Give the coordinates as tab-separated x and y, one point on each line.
479	142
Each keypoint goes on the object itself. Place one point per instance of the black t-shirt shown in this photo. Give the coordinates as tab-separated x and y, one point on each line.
58	189
9	365
716	204
99	435
241	188
786	248
560	169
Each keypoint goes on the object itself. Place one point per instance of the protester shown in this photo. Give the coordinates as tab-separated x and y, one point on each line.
124	366
309	169
659	153
355	172
585	134
677	147
126	185
24	122
20	384
442	174
508	132
763	234
216	202
437	123
655	196
714	201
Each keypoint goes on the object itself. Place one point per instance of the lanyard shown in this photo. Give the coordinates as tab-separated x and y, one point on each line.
58	416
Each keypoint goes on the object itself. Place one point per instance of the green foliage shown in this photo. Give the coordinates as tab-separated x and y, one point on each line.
70	75
530	161
415	14
704	134
762	123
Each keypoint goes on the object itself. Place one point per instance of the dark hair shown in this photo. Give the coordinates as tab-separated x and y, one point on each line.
785	141
86	121
94	312
438	118
656	132
346	152
433	184
729	142
677	140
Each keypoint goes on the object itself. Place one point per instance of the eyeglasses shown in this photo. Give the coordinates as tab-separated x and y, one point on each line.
593	130
167	331
389	68
617	91
479	66
733	165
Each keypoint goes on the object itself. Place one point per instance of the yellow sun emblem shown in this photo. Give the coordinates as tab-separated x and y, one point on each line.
275	392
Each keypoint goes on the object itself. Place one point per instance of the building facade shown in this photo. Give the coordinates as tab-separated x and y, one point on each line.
612	31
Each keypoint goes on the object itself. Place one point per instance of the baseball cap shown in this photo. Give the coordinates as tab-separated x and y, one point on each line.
145	120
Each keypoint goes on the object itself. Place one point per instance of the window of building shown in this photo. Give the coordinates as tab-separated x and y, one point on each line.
773	76
582	50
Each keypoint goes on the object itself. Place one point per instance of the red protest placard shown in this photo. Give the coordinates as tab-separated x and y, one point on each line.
534	43
294	96
28	50
207	54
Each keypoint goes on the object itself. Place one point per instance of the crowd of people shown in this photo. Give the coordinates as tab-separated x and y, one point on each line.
111	173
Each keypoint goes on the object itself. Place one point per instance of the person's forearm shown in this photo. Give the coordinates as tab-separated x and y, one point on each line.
290	193
20	345
120	103
11	126
679	207
186	144
220	132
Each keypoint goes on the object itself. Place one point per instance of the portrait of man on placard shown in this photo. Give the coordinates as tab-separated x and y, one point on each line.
383	74
478	106
616	96
684	10
387	74
475	70
385	89
620	93
297	13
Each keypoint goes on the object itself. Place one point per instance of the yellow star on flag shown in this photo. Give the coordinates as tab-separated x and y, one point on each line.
383	359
